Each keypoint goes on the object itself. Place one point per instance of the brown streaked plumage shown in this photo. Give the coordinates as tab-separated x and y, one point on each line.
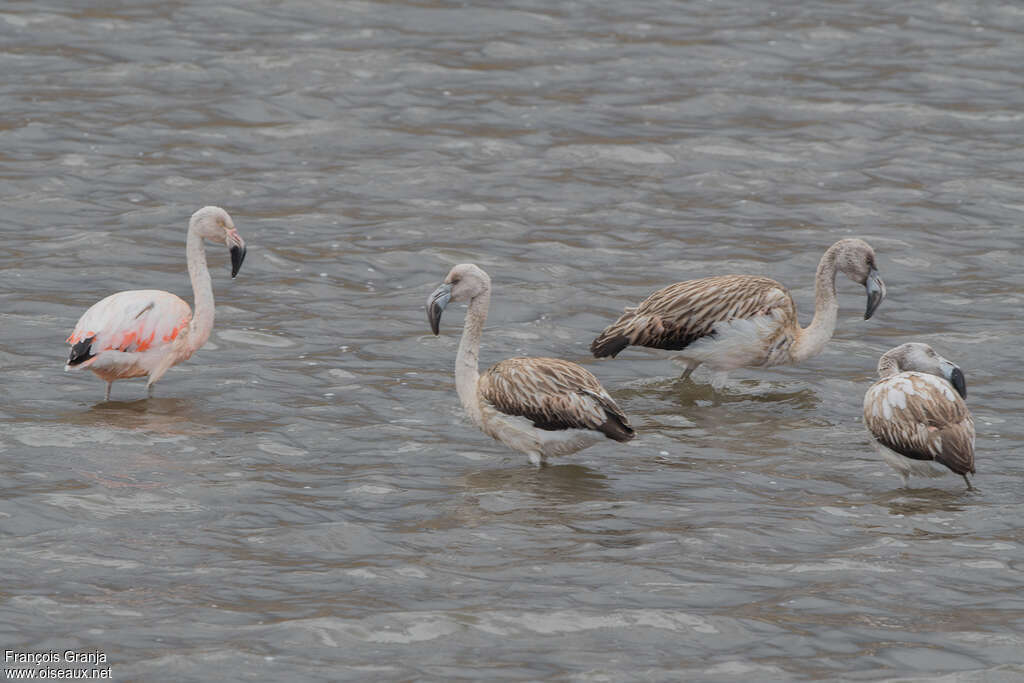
553	394
916	413
539	406
733	321
678	315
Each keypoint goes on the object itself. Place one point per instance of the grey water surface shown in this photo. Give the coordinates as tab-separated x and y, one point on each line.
305	500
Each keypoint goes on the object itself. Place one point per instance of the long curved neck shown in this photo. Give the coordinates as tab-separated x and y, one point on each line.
467	362
814	337
202	291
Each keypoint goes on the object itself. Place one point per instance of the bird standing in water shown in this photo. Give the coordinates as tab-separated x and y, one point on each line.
538	406
145	332
733	321
917	415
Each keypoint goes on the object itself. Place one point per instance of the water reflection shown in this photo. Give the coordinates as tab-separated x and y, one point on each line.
159	416
689	393
553	483
925	500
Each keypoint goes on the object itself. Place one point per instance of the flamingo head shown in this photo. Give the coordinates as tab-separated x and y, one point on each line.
856	258
213	223
920	357
464	282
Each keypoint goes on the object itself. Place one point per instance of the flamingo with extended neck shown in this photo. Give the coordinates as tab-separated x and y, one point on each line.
145	332
538	406
734	321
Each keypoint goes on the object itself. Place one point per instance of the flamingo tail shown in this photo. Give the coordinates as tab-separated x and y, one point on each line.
81	352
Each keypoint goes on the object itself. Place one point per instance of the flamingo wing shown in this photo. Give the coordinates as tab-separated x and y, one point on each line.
132	321
678	315
554	394
920	417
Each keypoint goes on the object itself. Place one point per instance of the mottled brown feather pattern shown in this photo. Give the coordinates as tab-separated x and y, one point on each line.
934	425
674	317
554	394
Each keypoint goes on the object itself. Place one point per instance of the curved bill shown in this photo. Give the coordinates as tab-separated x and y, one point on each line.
876	292
237	256
435	306
956	378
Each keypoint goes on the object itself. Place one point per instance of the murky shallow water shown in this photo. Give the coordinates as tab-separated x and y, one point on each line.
305	500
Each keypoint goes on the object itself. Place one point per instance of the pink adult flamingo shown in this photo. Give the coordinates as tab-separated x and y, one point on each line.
144	332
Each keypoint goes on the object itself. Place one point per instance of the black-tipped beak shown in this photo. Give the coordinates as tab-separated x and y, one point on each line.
956	378
237	256
876	292
435	306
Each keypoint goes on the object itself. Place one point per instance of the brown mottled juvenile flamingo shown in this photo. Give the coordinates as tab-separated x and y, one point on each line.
917	415
735	321
147	331
538	406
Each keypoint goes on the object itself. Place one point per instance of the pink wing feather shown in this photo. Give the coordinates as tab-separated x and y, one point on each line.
136	320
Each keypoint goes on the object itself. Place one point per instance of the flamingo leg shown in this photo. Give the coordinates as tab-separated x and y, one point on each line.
149	390
687	372
968	481
106	397
719	379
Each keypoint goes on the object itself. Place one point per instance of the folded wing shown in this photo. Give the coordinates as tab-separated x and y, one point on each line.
920	417
137	320
674	317
554	395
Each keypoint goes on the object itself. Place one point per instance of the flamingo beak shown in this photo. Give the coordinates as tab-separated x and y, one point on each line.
435	306
237	256
236	245
876	292
958	382
956	377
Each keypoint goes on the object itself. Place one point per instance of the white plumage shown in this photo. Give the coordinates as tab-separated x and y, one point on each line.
145	332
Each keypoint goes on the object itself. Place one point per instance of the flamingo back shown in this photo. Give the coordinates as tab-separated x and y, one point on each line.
920	417
133	321
676	316
554	394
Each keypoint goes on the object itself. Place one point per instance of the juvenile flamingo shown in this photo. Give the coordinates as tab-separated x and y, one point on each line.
734	321
147	331
914	416
538	406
